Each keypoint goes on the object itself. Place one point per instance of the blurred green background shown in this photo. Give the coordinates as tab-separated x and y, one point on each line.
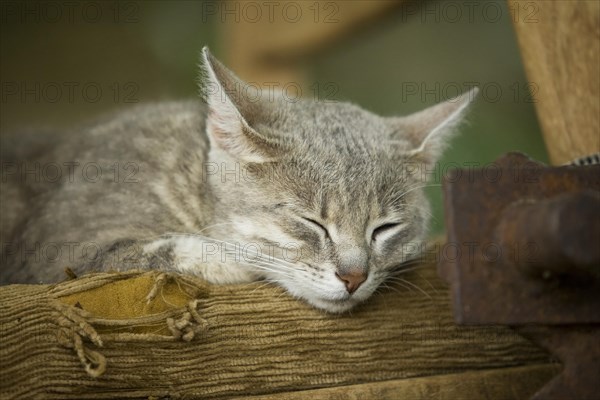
148	51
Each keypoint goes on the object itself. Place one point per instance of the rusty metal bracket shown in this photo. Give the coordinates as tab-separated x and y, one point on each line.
527	251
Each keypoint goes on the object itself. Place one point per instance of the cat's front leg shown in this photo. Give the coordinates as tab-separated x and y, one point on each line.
188	254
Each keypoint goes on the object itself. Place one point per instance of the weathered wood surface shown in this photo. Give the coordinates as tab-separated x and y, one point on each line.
501	383
257	340
560	46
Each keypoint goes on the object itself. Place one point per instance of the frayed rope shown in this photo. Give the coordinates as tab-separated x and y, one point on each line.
189	324
160	281
74	329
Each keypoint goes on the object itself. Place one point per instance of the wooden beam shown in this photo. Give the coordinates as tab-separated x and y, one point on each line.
560	46
269	43
503	383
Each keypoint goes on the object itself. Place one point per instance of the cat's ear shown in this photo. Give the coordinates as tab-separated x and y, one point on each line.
429	131
233	109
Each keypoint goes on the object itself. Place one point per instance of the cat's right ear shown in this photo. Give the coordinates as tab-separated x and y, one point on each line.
232	113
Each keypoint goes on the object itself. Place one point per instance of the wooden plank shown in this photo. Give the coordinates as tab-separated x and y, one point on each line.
504	383
257	340
560	46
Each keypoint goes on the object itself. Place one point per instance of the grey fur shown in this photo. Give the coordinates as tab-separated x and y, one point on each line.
333	163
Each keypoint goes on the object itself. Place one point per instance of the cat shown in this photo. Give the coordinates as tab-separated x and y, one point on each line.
242	186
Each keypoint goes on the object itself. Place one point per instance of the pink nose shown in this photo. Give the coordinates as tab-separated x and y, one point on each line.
352	280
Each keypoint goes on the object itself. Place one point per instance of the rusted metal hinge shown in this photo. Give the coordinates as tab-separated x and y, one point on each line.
527	238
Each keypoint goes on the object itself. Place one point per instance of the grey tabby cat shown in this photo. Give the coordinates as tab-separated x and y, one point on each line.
244	186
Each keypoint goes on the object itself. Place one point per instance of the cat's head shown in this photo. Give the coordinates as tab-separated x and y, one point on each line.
325	199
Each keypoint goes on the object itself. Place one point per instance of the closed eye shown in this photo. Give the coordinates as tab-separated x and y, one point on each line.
384	230
317	225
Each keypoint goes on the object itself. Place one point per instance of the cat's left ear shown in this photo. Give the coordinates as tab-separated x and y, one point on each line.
429	131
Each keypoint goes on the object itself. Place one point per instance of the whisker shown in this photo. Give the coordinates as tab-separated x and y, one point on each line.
428	282
266	268
415	286
388	287
261	286
419	187
404	286
404	270
425	210
212	226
